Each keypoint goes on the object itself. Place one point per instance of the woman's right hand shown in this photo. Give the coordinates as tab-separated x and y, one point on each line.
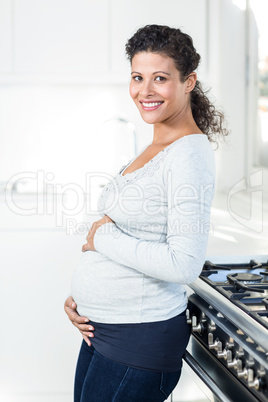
78	321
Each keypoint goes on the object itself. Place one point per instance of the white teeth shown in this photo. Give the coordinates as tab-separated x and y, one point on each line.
151	104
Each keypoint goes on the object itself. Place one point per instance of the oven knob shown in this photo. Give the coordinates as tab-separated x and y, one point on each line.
239	352
230	361
220	352
250	361
230	343
188	318
261	372
211	326
196	327
229	357
211	344
253	382
203	317
240	372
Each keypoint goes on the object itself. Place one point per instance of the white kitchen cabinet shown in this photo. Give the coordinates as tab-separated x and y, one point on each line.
65	41
61	36
5	36
38	344
127	17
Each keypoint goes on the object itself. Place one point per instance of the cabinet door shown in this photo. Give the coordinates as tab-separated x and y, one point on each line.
5	37
38	344
128	16
62	36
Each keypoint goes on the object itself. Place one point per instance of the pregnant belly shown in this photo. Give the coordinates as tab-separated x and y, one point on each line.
106	291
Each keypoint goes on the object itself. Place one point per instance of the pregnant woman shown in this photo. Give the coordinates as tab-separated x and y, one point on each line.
128	294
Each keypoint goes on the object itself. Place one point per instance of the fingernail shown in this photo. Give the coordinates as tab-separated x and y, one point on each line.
86	319
91	328
73	304
91	335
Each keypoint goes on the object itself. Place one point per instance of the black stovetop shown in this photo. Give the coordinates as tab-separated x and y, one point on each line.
244	284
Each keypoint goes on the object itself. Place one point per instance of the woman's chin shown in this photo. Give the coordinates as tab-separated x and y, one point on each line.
149	119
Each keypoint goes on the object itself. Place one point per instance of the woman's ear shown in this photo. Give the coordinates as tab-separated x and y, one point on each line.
190	82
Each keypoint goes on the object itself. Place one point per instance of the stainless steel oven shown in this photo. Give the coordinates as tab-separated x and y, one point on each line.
228	314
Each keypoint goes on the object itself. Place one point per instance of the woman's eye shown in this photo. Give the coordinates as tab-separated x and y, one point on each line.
137	78
159	78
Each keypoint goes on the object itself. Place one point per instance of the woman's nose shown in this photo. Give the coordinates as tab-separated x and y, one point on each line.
147	88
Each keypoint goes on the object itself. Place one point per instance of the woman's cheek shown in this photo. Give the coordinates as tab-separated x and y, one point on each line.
133	91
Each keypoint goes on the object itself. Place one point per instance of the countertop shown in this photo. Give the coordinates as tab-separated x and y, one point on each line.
239	226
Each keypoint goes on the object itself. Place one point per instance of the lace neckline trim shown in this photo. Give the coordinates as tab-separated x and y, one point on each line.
156	157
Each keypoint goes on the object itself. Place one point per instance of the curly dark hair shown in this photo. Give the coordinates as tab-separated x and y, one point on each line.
179	46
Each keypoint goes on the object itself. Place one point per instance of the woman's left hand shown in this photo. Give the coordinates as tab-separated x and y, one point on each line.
90	237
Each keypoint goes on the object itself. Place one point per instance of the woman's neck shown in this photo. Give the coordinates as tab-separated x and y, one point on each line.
168	131
166	134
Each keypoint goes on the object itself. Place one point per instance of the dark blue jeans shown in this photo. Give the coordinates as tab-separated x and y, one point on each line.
99	379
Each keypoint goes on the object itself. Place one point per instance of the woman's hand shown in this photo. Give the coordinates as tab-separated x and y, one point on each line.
78	321
90	237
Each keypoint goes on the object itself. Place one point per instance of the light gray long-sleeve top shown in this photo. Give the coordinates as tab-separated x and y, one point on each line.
158	241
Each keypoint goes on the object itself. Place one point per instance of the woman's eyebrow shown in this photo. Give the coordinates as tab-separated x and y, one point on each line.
156	72
162	72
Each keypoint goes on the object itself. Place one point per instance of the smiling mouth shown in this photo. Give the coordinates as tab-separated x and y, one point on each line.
150	105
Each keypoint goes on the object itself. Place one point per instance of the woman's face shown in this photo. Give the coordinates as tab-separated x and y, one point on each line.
156	88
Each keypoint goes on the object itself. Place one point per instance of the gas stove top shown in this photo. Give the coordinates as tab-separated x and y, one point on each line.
244	284
228	314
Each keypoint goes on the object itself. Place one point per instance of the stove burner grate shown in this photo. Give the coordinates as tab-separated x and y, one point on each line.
244	277
246	289
244	281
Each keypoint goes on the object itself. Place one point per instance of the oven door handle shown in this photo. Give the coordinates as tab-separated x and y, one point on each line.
210	383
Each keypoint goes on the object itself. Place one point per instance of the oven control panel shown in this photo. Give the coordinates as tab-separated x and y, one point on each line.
236	351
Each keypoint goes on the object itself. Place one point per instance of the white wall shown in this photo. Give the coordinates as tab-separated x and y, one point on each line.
62	129
227	69
56	128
